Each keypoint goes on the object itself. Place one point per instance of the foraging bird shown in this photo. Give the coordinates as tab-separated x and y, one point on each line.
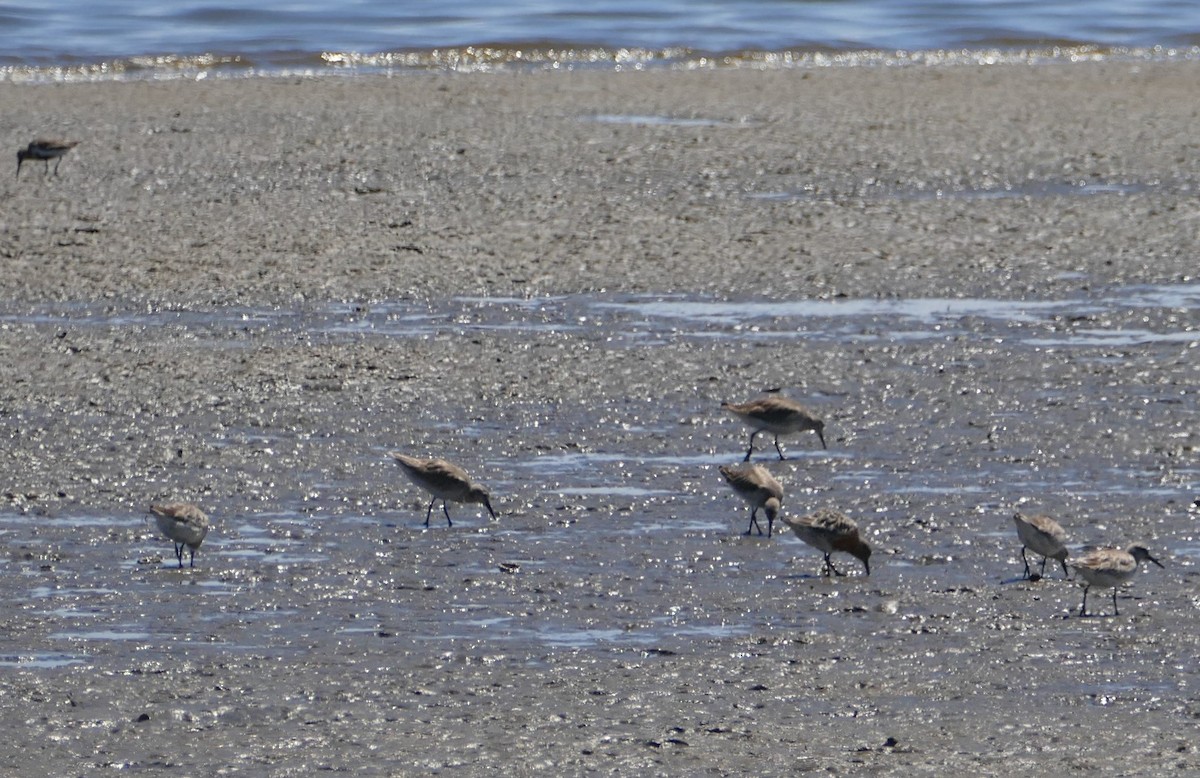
1045	536
1108	568
45	150
758	488
829	530
777	415
185	524
444	481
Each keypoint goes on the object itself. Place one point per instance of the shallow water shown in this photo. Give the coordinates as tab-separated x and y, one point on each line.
642	520
646	320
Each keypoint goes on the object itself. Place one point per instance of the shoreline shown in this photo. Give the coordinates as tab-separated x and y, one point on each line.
518	59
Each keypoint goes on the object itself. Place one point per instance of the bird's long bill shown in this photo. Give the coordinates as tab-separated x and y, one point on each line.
1155	561
867	564
821	435
488	504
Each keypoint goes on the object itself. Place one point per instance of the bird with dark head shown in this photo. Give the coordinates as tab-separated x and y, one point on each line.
829	530
1108	568
45	150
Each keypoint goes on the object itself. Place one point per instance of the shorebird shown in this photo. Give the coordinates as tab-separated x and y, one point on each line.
829	530
758	488
1046	537
185	524
1108	568
45	150
777	415
444	481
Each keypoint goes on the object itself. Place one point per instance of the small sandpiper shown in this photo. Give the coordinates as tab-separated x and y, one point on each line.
777	415
755	485
1108	568
829	530
444	481
45	150
1046	537
185	524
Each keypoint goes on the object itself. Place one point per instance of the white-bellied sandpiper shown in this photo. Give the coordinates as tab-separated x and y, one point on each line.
185	524
1108	568
777	415
755	485
1044	536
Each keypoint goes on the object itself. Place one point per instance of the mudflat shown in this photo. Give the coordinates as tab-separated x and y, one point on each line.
244	293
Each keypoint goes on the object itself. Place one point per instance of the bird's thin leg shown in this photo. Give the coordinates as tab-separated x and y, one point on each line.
446	510
192	557
179	553
1025	560
1115	611
1043	572
750	450
828	566
1066	575
46	173
57	162
1083	607
429	512
777	448
753	522
831	567
770	526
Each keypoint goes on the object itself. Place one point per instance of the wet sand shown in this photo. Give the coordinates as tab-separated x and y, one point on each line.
244	294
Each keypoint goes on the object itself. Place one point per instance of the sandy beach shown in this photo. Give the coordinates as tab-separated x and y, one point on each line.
244	293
